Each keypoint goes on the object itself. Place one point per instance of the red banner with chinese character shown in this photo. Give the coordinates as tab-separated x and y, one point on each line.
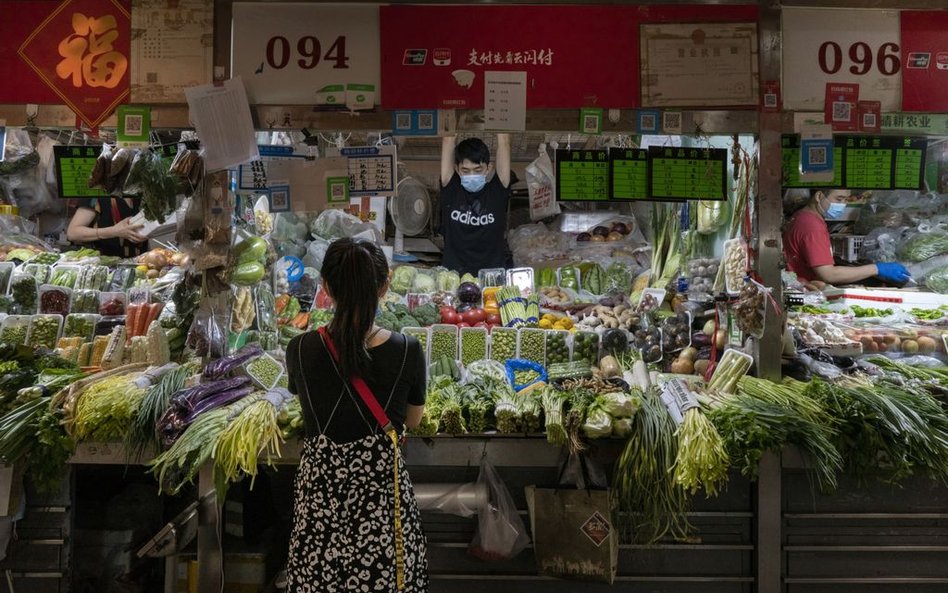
73	52
574	55
924	60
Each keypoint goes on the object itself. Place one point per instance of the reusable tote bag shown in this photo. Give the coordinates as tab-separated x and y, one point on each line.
573	534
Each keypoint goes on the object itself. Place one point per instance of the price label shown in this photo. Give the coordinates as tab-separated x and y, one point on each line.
884	162
582	175
74	166
628	178
286	52
688	173
822	46
790	155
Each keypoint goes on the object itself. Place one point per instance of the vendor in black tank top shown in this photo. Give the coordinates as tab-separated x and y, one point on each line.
474	194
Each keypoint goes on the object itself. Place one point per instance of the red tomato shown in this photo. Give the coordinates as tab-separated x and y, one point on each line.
464	324
470	317
478	315
449	315
483	324
494	319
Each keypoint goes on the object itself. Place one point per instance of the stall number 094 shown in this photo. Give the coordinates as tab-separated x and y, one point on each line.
279	52
861	57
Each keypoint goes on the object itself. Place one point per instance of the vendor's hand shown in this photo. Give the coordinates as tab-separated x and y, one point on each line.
893	272
125	230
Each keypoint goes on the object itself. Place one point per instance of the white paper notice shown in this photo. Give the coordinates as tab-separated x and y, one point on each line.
505	101
221	115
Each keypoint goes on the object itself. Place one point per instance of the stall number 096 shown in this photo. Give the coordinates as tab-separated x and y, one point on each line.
279	52
861	57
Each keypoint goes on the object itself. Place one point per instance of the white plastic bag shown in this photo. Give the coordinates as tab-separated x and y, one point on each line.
500	533
541	185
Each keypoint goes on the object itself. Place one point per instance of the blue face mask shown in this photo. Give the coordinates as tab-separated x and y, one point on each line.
473	183
835	210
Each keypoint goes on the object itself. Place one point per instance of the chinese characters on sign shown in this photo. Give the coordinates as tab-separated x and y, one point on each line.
371	170
863	162
688	173
79	50
89	57
74	165
505	101
629	177
582	175
541	57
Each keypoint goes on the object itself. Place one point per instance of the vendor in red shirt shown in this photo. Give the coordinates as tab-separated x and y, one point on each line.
807	249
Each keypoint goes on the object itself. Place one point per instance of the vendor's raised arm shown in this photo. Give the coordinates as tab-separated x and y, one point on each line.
447	159
502	159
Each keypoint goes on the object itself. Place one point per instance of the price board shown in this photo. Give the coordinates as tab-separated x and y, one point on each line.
371	170
628	175
582	175
74	166
688	173
884	162
790	155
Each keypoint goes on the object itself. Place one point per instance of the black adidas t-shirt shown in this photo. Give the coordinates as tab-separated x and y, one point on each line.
352	419
473	226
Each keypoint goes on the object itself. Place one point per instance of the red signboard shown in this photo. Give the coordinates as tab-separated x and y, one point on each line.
74	52
924	60
574	55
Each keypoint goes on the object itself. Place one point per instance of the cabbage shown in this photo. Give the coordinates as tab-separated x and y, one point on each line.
448	281
423	283
598	424
618	405
402	279
622	427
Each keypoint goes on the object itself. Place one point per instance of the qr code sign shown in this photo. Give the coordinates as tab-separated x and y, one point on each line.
842	111
590	123
868	120
671	121
817	155
403	121
770	101
133	125
425	121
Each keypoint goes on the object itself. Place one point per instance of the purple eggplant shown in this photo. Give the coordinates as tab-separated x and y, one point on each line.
218	400
222	366
186	399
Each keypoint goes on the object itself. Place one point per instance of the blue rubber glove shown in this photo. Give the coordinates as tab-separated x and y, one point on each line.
893	272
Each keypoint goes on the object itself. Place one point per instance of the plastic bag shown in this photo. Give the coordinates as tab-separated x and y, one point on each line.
541	185
208	333
463	500
923	245
500	533
937	280
336	224
712	215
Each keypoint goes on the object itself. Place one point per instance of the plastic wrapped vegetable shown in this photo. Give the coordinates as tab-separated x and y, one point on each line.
938	280
423	283
218	368
448	281
618	279
924	246
598	424
402	279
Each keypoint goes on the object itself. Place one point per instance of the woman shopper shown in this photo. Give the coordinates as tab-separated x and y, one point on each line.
356	527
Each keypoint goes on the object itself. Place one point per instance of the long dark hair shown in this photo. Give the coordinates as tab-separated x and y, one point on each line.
354	272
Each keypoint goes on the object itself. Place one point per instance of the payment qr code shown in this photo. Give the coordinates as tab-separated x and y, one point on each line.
671	121
770	100
403	121
133	125
842	111
338	191
868	120
279	200
590	124
648	122
817	155
425	121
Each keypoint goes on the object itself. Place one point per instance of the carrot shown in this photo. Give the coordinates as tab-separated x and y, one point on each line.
131	319
300	321
281	302
154	310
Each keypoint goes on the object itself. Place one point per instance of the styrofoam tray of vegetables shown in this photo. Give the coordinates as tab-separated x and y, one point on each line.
444	342
264	371
44	331
473	344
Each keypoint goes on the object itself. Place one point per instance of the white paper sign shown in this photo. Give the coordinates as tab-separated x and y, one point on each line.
505	101
822	45
699	64
221	115
286	52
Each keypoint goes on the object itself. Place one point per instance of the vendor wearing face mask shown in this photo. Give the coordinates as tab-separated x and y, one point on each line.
807	249
474	196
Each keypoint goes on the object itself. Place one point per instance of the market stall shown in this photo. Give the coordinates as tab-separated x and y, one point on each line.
638	325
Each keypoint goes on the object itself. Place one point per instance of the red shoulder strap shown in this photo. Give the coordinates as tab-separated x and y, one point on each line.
360	385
